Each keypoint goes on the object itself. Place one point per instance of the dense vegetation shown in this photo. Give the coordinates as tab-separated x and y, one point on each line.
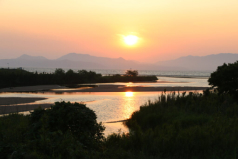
179	126
18	77
175	126
225	79
64	131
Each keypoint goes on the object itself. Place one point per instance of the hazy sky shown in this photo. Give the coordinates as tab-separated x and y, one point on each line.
167	29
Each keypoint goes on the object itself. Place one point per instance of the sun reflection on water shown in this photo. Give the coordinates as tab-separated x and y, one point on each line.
128	105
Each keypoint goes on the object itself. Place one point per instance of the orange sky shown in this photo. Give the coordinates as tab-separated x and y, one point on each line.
167	29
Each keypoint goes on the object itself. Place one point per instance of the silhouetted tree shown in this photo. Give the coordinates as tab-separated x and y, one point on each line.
59	71
132	73
225	79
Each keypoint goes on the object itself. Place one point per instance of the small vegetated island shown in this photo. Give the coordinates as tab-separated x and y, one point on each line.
193	126
19	77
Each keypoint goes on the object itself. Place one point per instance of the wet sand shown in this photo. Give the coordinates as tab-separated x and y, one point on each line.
17	100
21	108
16	104
40	88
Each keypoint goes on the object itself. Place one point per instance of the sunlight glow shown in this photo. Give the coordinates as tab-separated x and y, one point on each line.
129	94
130	39
129	105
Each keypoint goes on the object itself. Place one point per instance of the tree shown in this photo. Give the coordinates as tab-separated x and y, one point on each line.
59	71
132	73
70	72
225	79
73	119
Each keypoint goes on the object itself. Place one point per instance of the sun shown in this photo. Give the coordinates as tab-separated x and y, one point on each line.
130	39
129	94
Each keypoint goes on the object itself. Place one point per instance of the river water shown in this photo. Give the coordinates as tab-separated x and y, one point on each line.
114	106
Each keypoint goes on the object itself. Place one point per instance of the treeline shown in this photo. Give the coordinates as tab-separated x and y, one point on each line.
18	77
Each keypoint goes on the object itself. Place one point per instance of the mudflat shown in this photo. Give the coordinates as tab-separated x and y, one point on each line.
10	104
21	108
31	88
17	100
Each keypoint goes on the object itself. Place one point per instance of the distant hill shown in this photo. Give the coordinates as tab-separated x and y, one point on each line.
28	57
209	62
78	61
108	62
111	63
85	61
42	62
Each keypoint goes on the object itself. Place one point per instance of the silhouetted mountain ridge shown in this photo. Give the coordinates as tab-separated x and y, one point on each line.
86	61
209	62
28	57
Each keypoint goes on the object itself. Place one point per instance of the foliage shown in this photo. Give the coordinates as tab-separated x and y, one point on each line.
225	79
12	78
64	130
132	73
13	130
180	126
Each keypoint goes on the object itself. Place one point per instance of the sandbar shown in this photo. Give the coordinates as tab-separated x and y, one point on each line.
17	100
39	88
17	104
21	108
123	88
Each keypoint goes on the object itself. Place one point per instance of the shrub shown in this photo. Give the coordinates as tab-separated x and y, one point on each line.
225	79
75	119
67	130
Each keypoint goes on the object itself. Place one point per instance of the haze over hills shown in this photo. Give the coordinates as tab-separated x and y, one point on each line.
86	61
78	61
209	62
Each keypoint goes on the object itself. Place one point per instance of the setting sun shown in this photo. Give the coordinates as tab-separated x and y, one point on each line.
130	39
129	94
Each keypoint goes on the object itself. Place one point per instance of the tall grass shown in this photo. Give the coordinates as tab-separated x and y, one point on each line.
180	126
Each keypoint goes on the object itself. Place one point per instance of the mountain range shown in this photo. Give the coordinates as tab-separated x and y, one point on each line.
209	62
86	61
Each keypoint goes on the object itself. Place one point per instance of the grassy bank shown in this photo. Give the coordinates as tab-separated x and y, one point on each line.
193	126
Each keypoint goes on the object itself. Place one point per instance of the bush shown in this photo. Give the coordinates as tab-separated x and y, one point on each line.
225	79
76	120
67	130
192	126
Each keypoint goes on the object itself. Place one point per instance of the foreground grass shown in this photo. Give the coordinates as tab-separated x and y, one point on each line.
174	126
193	126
